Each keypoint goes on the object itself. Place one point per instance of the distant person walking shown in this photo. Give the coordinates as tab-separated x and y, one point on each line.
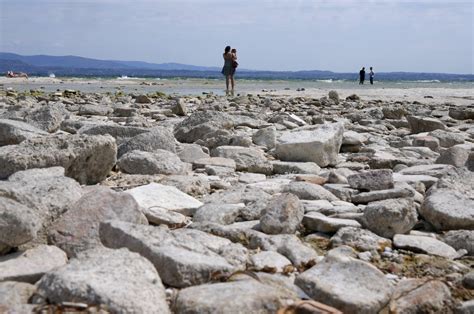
362	76
228	70
371	76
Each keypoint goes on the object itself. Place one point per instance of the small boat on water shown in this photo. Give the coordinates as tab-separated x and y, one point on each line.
51	75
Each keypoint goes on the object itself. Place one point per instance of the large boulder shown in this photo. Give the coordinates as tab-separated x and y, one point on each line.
265	137
121	280
283	214
424	124
246	159
461	113
18	223
159	162
389	217
14	132
449	204
350	285
88	159
78	229
157	138
320	145
460	239
199	124
243	296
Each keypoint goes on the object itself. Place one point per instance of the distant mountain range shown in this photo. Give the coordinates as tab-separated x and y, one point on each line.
43	65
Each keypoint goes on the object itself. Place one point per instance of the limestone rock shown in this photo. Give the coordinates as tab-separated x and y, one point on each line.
269	261
220	298
371	180
159	162
14	132
122	280
18	223
78	229
265	137
320	145
15	293
157	138
316	222
309	191
31	265
283	214
360	239
424	124
347	284
460	239
199	124
423	244
421	296
284	167
246	159
88	159
47	118
389	217
166	197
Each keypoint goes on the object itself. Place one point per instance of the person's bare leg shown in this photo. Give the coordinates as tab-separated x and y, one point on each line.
227	81
232	83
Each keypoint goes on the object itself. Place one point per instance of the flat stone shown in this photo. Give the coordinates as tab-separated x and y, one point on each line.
166	197
214	161
30	265
309	191
243	296
372	196
284	167
248	177
121	280
316	222
347	284
427	181
182	257
425	245
436	170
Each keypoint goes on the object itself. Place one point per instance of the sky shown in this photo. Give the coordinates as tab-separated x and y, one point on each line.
336	35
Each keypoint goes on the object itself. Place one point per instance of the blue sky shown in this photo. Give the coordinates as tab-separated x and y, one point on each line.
337	35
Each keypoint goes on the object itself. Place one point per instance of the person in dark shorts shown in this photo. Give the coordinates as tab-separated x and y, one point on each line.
362	76
228	70
371	76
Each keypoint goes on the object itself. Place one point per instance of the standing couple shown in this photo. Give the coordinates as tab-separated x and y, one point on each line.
362	76
230	65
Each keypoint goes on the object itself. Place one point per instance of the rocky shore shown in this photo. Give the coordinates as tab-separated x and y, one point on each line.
148	203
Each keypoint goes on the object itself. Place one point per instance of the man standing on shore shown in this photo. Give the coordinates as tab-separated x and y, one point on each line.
371	76
362	76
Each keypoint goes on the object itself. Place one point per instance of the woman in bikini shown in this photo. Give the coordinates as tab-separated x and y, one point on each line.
228	70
